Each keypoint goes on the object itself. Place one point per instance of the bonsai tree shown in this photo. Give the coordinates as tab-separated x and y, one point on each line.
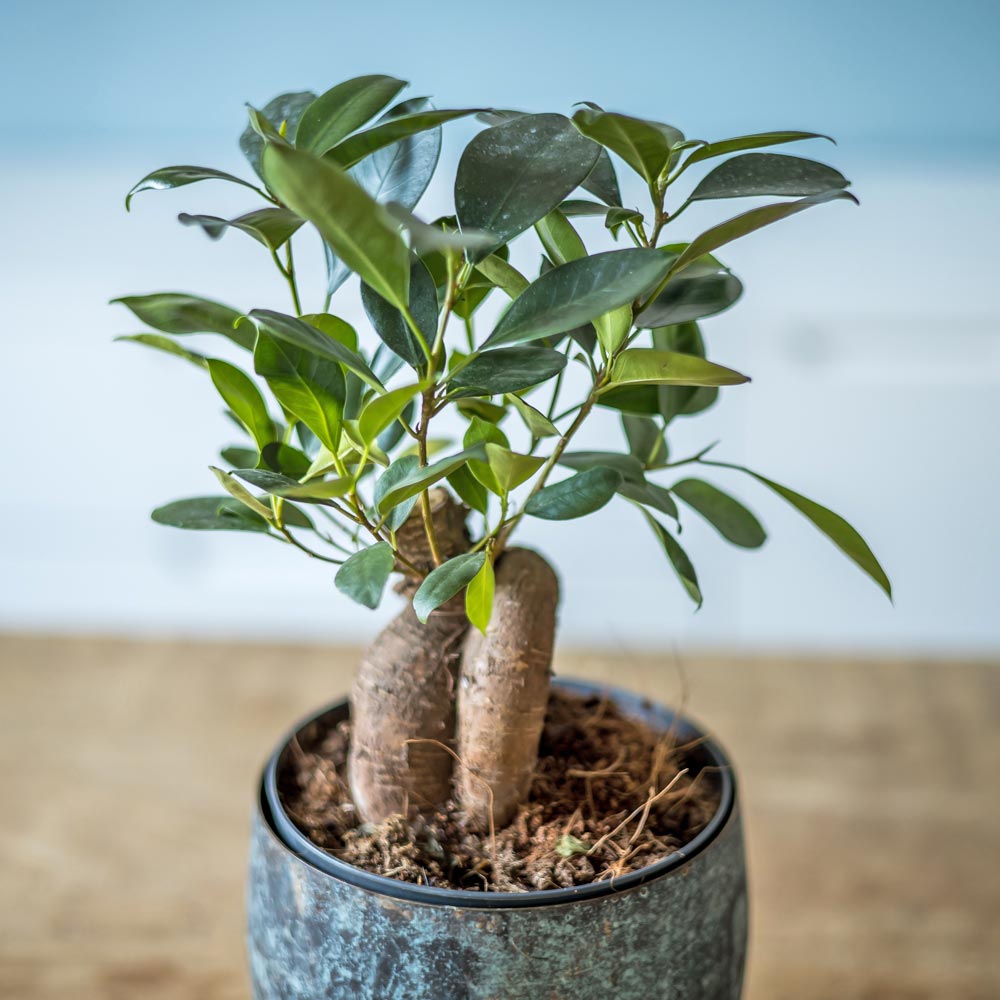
344	460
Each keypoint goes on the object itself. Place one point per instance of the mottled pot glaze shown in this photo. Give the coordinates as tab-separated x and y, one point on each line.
320	929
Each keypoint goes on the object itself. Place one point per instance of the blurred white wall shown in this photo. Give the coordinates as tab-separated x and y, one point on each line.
872	335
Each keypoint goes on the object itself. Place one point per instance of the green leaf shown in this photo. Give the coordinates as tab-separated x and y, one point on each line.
508	369
479	597
383	411
445	582
832	525
349	220
483	432
510	468
678	559
515	173
576	293
755	174
307	385
757	141
628	466
281	457
422	477
686	299
283	110
240	458
244	399
364	575
490	412
399	471
680	400
574	497
644	145
749	222
317	491
209	514
398	173
507	278
469	489
357	147
568	845
602	181
537	423
166	345
650	495
301	333
613	327
726	514
179	313
271	227
648	366
391	325
645	440
167	178
240	492
561	241
442	236
336	114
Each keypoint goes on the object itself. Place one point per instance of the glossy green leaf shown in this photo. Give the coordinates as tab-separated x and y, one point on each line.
469	489
644	145
480	433
758	141
515	173
691	298
602	181
628	466
398	174
444	582
561	241
238	491
755	174
281	457
271	227
239	457
510	468
490	412
285	111
357	147
577	496
243	397
832	525
316	491
573	294
168	346
391	325
645	365
681	400
167	178
503	275
398	472
364	575
479	596
442	236
650	495
179	313
422	477
335	114
748	222
302	334
726	514
382	411
615	218
349	220
678	559
308	385
613	327
537	423
574	208
645	440
209	514
508	369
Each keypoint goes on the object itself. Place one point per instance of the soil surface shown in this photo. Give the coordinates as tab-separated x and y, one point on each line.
610	796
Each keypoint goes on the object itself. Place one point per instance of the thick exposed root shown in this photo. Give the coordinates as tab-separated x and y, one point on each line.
504	690
404	691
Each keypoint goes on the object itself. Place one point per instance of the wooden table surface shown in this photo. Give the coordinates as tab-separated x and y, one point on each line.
127	769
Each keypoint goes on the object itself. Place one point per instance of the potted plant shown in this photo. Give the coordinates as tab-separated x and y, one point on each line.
463	828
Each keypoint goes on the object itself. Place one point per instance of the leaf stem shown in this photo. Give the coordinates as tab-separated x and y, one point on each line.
289	537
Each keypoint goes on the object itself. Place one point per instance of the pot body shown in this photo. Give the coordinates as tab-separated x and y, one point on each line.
676	930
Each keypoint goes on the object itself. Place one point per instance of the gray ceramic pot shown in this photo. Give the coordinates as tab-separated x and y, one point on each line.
320	929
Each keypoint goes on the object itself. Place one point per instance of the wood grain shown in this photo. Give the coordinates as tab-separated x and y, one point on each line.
127	770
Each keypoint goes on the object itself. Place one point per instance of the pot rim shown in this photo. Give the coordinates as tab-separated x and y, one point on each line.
293	840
